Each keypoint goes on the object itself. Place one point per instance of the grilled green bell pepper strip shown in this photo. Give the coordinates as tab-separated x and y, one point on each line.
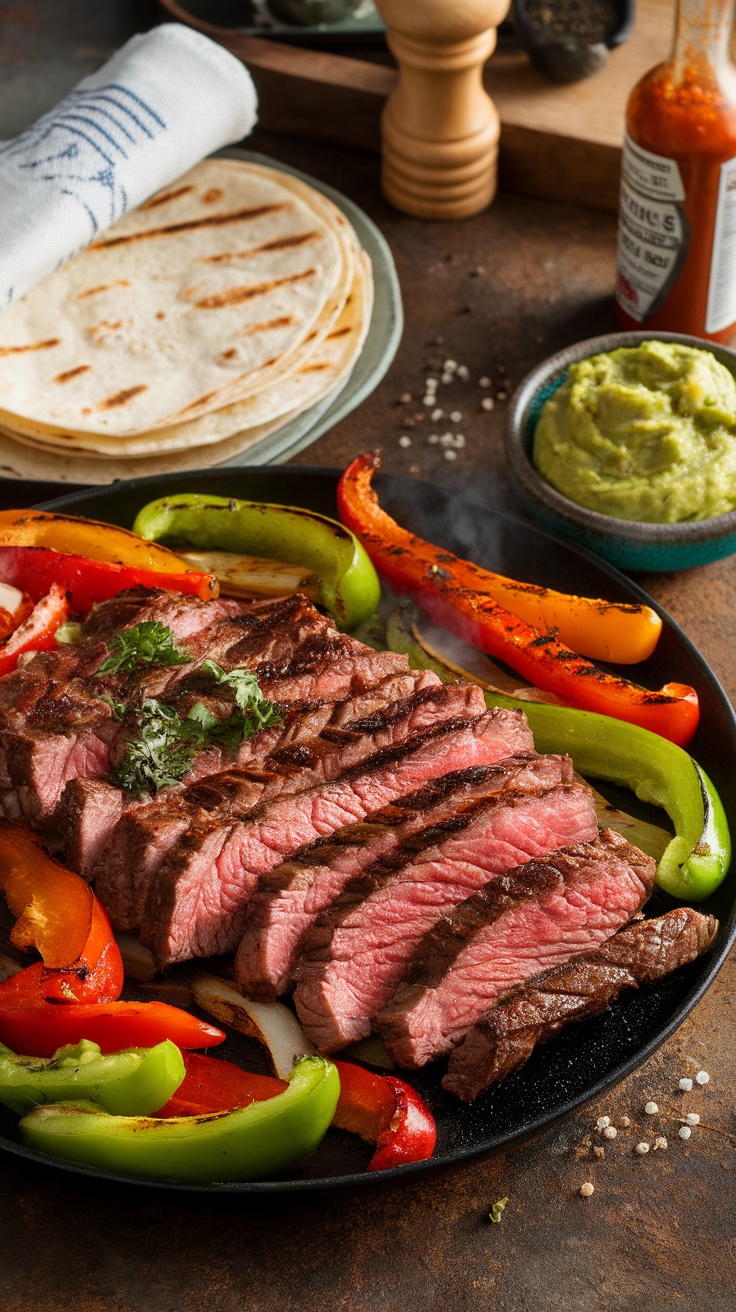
132	1083
696	860
245	1144
348	583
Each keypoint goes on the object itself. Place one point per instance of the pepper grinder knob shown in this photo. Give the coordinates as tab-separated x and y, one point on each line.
439	128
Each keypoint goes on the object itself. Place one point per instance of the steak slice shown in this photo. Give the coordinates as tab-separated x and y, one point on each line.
290	898
55	724
537	917
196	904
536	1011
91	808
142	838
358	952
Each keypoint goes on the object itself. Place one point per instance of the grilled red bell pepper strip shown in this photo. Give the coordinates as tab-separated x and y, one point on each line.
38	631
86	581
59	915
76	536
413	566
212	1085
39	1030
387	1112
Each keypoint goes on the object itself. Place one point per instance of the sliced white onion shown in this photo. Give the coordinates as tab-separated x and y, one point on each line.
271	1023
10	598
138	961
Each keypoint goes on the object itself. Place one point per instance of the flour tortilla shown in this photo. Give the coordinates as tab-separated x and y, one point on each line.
30	458
330	361
200	298
35	462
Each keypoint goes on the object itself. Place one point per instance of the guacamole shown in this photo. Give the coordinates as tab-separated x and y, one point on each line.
645	432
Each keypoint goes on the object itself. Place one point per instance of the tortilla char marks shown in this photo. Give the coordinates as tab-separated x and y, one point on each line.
268	247
339	332
190	225
32	346
164	197
105	287
212	195
122	398
68	374
283	321
236	295
314	368
201	400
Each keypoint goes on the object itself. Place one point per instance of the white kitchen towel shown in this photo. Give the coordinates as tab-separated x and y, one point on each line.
164	101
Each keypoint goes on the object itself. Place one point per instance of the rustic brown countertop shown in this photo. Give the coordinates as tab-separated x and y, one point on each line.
502	291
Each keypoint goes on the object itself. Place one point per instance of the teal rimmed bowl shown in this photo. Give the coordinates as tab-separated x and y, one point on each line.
628	544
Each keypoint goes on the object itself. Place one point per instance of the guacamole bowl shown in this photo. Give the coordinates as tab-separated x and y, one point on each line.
629	544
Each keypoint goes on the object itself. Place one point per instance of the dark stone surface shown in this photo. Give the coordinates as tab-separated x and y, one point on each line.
659	1233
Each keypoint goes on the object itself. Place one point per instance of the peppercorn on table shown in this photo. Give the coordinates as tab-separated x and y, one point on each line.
630	1201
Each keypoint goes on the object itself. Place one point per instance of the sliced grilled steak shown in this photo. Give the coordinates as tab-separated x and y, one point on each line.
196	905
536	1011
290	898
358	952
536	917
55	725
126	867
91	808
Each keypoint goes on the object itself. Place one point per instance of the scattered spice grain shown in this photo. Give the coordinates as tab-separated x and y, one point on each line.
587	1189
684	1131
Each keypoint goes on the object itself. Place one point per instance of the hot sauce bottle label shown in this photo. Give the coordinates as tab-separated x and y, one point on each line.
653	230
722	287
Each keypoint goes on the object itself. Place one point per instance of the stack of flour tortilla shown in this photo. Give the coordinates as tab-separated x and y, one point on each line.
202	322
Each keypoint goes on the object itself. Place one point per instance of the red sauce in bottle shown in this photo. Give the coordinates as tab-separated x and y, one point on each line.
677	218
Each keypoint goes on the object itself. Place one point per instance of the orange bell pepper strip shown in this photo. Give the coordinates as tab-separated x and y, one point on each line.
212	1085
59	916
623	633
106	543
38	1031
387	1112
38	631
433	578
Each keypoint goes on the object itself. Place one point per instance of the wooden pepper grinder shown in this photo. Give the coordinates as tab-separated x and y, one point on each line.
439	128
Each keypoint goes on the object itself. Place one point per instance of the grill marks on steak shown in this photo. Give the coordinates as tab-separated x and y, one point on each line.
533	919
359	950
289	899
370	683
197	902
586	986
145	834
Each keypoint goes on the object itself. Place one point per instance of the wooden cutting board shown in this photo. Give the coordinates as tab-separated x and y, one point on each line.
559	142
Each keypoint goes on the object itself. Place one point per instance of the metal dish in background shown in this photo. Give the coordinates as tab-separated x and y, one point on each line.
342	25
627	543
589	1057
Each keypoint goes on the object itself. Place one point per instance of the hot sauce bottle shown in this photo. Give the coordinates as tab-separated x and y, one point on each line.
677	213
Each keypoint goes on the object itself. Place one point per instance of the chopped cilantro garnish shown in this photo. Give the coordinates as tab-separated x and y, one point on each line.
161	754
147	643
164	749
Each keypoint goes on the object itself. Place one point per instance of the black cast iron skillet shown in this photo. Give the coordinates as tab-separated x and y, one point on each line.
589	1057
